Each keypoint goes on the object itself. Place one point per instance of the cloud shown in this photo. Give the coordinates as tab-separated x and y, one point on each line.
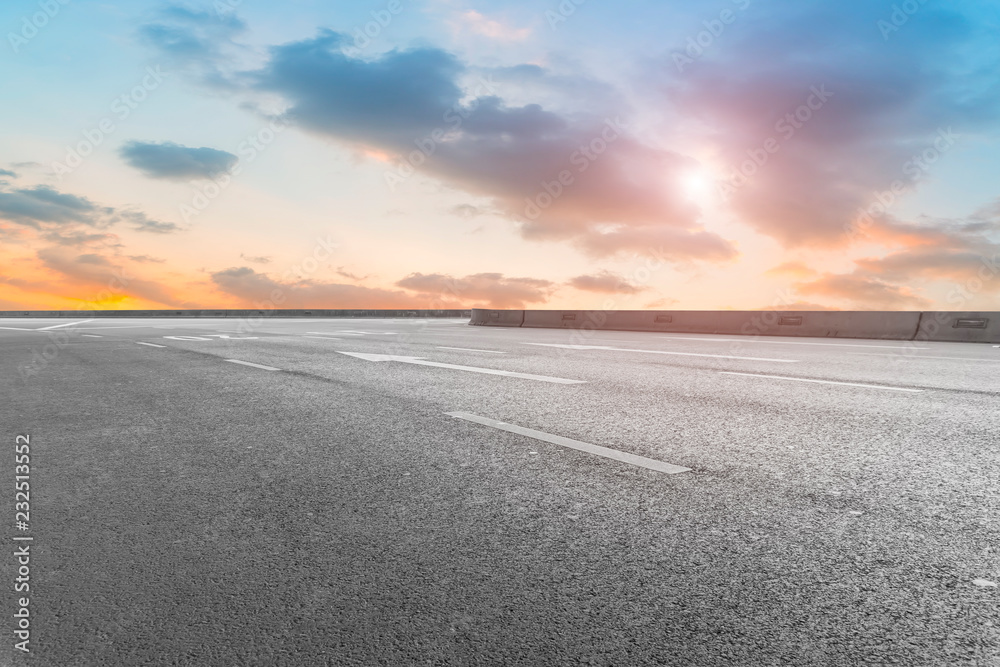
476	23
468	211
938	264
864	292
200	43
7	172
662	243
793	269
258	259
175	162
68	219
957	251
604	282
92	258
486	289
889	101
97	276
80	239
798	305
143	223
41	205
145	259
259	290
661	303
410	106
350	276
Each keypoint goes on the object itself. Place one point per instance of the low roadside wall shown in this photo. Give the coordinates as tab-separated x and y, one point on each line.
959	327
496	318
981	327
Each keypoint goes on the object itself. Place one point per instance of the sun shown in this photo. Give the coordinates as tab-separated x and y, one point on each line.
697	184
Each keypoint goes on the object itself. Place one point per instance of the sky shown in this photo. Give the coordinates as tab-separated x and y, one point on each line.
566	154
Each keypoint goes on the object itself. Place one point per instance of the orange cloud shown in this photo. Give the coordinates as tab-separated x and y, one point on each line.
863	292
793	269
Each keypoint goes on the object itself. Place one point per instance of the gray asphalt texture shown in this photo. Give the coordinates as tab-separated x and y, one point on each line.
191	511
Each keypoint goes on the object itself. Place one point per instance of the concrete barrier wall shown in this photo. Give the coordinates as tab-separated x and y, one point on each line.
824	324
960	327
237	313
482	317
689	321
833	324
884	325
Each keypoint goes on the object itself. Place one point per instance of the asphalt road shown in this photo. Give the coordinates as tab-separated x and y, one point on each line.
840	506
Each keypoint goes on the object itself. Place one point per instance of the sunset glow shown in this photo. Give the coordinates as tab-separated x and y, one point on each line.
462	154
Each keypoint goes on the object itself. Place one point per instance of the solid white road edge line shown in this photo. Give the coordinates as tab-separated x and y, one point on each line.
597	450
66	324
419	361
846	384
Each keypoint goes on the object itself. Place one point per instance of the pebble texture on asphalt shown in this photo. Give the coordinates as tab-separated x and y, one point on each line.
188	511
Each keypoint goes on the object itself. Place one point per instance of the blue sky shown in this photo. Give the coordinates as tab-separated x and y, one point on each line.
733	154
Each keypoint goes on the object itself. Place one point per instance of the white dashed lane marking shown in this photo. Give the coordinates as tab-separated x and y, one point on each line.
846	384
469	349
597	450
247	363
139	342
65	324
419	361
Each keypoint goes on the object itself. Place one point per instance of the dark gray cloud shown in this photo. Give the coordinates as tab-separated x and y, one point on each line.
67	219
605	282
172	161
41	205
143	223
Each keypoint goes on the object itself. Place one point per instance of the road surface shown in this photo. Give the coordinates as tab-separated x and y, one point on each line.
424	492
